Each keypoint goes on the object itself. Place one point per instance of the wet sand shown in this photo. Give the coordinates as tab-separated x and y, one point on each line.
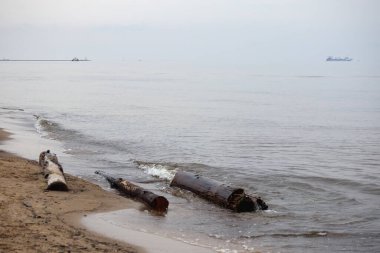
4	135
152	243
35	220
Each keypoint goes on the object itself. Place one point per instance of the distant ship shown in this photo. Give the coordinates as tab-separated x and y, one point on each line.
77	59
330	58
74	59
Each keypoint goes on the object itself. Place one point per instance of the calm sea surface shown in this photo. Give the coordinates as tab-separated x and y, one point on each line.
307	143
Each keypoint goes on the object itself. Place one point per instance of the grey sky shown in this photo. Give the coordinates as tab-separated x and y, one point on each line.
223	31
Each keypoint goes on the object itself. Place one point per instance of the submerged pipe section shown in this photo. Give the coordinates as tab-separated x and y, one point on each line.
154	201
233	198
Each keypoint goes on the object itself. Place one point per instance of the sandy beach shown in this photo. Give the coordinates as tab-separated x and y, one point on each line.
35	220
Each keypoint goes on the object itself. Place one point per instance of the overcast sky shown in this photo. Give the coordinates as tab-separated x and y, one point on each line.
223	31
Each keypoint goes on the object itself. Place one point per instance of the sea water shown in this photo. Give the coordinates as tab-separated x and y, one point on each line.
305	140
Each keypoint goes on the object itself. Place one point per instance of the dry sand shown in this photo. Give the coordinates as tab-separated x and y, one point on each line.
35	220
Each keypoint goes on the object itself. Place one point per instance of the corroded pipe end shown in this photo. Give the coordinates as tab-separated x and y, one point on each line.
262	204
160	204
57	186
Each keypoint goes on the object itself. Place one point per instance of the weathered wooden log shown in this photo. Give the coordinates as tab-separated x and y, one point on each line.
156	202
226	196
52	171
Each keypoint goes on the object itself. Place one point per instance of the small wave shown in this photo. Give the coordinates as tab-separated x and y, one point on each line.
44	127
159	170
12	109
53	130
307	234
76	141
370	188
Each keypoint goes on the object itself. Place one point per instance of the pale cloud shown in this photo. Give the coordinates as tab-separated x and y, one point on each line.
181	12
118	12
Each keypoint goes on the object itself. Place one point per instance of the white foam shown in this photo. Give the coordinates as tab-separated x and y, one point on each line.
38	127
159	170
226	251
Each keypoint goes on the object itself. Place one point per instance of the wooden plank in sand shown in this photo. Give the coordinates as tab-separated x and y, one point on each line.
226	196
52	171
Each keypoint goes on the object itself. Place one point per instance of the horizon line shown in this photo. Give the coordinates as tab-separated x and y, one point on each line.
43	60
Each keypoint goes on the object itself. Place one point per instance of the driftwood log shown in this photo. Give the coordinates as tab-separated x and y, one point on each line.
226	196
155	202
52	171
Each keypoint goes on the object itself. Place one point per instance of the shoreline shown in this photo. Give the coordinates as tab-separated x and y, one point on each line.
150	242
52	221
4	135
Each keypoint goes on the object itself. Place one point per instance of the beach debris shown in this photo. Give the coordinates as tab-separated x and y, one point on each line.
52	171
226	196
154	201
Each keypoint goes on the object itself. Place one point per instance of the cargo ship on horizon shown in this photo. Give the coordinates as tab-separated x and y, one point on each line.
331	58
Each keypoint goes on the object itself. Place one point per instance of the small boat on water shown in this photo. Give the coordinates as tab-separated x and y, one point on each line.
331	58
